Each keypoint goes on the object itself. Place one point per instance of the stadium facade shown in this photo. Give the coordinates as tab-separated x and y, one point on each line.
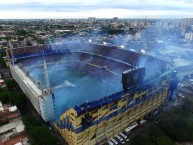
97	120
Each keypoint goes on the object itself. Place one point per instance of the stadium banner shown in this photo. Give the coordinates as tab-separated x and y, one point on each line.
131	78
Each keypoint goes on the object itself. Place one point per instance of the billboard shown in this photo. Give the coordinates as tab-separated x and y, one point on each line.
131	78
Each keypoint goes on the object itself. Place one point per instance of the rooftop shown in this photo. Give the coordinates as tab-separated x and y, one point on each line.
12	132
19	139
16	125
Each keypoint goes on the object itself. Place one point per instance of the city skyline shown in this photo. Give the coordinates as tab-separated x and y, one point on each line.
21	9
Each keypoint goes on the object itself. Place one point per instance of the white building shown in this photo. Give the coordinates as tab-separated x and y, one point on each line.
92	19
41	100
189	36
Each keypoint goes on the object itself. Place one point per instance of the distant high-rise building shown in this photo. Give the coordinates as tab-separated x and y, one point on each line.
191	27
92	19
187	22
189	36
145	23
115	19
137	35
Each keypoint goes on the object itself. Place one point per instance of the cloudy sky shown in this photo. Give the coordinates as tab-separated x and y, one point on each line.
21	9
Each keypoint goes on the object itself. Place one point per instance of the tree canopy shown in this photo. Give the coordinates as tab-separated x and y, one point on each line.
39	134
175	125
11	84
155	136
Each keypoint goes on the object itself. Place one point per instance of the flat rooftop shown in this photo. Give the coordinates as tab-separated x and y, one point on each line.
16	139
17	125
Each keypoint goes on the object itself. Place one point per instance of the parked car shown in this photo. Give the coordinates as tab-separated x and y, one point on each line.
142	122
124	136
114	141
110	142
120	139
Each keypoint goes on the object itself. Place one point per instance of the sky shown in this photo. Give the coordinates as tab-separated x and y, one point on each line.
37	9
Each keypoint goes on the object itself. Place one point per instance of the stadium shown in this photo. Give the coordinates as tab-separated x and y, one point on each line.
90	92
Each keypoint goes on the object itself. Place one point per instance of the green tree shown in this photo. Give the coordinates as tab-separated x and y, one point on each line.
41	41
4	97
115	31
3	53
188	105
141	140
30	122
164	140
21	38
155	136
22	32
17	98
41	135
8	38
178	125
11	84
2	62
158	137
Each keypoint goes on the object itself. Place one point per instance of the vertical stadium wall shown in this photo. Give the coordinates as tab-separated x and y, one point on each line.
96	122
42	102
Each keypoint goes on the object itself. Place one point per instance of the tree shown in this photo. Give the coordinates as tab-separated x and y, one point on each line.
17	98
11	84
41	41
3	53
41	135
30	122
115	31
178	125
155	136
22	32
21	38
164	140
4	97
158	137
2	62
188	105
141	140
8	38
14	97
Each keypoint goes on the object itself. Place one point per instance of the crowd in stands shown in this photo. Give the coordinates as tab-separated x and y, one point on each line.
93	71
36	50
106	63
26	51
107	57
108	51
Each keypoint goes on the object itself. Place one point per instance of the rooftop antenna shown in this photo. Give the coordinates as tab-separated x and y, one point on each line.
12	56
46	75
174	21
146	21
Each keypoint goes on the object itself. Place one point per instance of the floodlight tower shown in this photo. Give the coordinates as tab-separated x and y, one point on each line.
12	56
46	76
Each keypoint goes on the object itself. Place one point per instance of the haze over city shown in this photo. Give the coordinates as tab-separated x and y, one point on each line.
37	9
